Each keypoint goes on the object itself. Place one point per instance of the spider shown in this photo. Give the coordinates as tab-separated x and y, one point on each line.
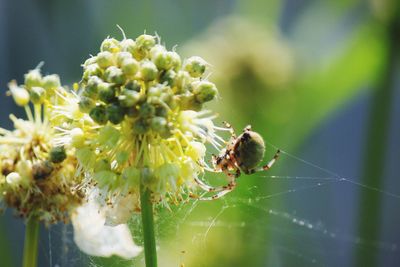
242	154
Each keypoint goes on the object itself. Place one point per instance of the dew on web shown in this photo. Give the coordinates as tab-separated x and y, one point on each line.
289	227
295	228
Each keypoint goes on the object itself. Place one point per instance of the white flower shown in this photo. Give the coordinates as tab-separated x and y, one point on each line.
95	238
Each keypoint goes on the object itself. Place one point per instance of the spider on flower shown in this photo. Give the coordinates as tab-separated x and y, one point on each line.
242	154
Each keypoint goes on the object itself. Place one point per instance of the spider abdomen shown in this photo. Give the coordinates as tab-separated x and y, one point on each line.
249	150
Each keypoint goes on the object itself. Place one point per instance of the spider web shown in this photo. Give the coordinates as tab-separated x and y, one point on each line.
299	213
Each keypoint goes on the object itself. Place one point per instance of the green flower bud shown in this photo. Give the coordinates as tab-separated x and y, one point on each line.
176	60
155	50
182	80
147	110
196	66
57	154
110	45
92	70
33	78
37	95
91	89
148	71
140	126
90	61
158	124
130	67
51	82
168	77
128	45
133	85
99	114
155	91
106	92
114	75
121	56
164	60
133	112
105	59
115	113
19	94
86	104
128	98
205	91
145	41
161	111
167	98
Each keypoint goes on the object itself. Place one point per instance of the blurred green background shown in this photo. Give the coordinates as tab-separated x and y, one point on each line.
319	79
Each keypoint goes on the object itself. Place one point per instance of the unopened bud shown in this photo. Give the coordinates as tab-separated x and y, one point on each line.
20	95
99	114
205	91
57	154
148	71
115	113
104	59
37	95
196	66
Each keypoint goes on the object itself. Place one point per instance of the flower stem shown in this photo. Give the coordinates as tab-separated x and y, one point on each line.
31	243
150	252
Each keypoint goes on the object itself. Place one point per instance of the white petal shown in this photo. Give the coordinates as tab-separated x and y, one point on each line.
121	210
96	239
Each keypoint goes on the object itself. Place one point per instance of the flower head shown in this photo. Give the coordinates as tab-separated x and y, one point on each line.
141	121
37	178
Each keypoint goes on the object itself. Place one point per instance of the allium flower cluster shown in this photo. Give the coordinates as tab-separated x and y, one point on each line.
37	178
141	122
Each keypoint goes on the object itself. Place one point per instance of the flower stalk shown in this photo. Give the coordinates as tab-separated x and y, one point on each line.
31	243
150	252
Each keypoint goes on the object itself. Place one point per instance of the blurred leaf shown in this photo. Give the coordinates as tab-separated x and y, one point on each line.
321	90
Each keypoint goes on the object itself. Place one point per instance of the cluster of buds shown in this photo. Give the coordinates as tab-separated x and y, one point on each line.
143	81
37	178
137	120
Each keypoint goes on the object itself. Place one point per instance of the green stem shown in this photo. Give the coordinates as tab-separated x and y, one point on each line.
31	243
150	252
376	146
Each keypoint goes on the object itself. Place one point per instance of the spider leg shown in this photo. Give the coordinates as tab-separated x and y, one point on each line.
247	128
205	166
208	188
228	188
204	186
268	165
231	130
